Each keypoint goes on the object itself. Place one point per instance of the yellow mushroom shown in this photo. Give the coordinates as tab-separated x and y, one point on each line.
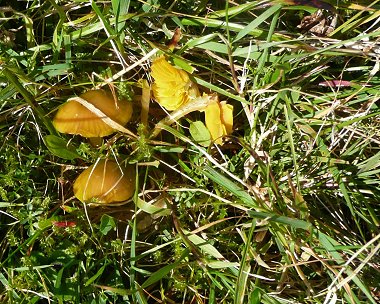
219	120
172	87
105	182
74	118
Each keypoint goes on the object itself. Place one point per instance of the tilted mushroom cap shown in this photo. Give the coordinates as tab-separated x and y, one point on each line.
172	87
105	182
219	120
74	118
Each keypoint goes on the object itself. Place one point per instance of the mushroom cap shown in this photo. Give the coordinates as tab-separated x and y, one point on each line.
172	87
219	120
105	182
74	118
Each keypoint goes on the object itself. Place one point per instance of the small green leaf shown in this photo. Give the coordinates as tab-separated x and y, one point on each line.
151	209
113	290
96	275
201	40
42	224
200	133
58	146
168	149
164	271
184	65
159	274
255	297
230	186
107	223
295	223
204	245
370	164
257	21
4	280
222	264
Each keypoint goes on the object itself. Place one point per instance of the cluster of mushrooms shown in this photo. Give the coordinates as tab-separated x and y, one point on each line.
97	113
106	181
174	90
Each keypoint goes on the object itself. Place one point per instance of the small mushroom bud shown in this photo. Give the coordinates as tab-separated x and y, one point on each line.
105	182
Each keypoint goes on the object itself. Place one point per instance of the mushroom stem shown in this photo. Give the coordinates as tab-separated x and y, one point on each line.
95	141
145	99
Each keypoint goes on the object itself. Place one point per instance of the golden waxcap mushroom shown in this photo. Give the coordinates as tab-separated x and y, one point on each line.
172	87
219	120
105	182
74	118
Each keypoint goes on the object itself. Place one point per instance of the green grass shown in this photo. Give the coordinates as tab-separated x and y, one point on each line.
286	211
